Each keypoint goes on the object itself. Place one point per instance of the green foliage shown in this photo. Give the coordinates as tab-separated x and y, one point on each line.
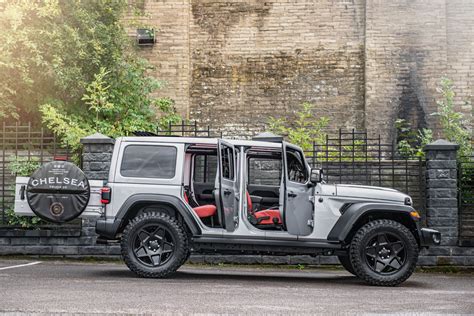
22	221
410	142
304	129
23	167
52	49
72	64
301	129
454	128
452	122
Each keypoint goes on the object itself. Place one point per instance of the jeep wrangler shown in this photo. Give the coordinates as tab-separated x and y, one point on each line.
169	196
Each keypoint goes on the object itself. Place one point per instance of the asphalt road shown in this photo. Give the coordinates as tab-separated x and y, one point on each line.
65	287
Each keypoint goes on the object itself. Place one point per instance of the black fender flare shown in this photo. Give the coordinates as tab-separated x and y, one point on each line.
110	228
346	221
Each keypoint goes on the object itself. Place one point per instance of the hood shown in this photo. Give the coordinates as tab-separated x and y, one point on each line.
370	192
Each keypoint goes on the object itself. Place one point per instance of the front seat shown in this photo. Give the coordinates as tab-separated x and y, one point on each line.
202	211
263	217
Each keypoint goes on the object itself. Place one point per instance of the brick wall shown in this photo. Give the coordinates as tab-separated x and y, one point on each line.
233	64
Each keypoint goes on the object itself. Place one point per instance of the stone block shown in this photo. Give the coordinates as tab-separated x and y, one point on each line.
303	259
65	250
329	260
113	250
4	241
197	258
442	212
441	183
93	250
442	193
442	221
98	166
441	164
276	259
440	174
440	202
52	240
441	155
24	241
88	231
102	157
462	251
427	260
38	250
12	250
98	148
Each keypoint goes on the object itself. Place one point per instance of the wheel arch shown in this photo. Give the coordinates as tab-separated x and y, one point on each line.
359	214
168	204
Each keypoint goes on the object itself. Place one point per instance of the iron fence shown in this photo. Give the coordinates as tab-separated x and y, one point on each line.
353	157
466	200
24	143
188	129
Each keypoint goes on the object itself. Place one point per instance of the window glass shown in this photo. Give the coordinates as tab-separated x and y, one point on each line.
142	161
227	163
297	171
205	168
264	171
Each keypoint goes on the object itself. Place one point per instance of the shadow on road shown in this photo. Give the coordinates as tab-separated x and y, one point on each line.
293	277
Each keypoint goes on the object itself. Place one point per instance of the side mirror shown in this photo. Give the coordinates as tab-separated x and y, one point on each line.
316	176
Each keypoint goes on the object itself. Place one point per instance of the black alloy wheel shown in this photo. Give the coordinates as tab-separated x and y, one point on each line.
153	245
385	253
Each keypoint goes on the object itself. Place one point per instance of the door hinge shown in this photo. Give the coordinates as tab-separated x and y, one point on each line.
311	223
312	199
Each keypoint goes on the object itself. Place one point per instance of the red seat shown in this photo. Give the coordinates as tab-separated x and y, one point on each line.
204	210
264	217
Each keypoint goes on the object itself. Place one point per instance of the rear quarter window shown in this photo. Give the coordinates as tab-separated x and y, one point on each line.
142	161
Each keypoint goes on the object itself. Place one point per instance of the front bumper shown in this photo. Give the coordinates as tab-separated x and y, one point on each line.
430	237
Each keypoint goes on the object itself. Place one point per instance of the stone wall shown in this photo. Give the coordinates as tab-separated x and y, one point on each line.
363	63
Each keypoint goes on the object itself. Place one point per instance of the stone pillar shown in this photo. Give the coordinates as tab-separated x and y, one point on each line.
97	156
441	190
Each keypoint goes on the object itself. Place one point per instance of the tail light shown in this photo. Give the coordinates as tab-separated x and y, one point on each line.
105	194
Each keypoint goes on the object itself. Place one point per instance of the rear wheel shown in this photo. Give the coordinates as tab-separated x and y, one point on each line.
154	245
346	263
383	252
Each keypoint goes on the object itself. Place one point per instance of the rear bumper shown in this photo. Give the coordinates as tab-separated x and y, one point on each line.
429	237
107	228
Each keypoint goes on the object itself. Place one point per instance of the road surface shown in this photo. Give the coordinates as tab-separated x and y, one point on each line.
35	286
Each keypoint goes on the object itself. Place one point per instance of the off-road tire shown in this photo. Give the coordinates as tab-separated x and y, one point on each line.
358	257
346	263
178	257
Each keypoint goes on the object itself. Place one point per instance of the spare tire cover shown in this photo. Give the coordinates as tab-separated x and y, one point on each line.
58	191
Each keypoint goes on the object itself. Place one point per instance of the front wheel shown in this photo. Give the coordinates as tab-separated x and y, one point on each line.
154	245
383	252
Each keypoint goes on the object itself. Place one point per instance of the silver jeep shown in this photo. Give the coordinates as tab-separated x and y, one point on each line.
169	196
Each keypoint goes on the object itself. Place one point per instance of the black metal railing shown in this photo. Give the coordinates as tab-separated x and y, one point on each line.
466	200
188	129
355	158
23	143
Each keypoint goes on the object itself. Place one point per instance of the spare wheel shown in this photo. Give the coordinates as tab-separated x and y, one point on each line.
58	192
